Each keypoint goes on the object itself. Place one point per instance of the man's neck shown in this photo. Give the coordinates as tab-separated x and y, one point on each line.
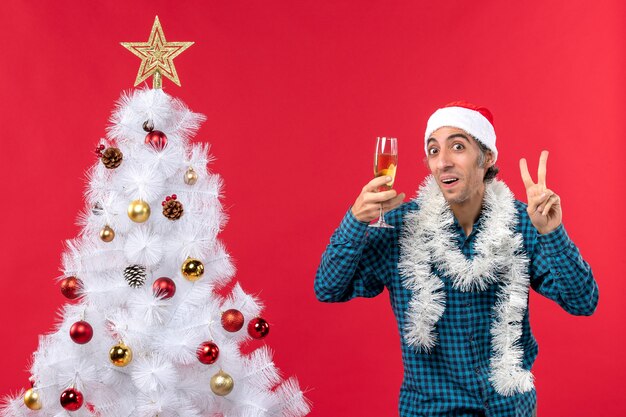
467	212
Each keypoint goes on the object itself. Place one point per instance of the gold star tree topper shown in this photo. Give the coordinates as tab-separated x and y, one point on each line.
157	56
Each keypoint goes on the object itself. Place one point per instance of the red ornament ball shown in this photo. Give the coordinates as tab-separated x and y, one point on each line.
164	287
156	139
232	320
258	328
81	332
71	399
207	352
70	287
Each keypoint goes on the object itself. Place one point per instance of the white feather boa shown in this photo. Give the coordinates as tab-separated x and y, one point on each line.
428	240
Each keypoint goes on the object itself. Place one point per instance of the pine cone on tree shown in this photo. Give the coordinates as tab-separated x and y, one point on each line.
172	208
135	275
111	157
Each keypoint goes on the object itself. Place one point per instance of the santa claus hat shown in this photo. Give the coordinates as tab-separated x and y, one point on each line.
475	120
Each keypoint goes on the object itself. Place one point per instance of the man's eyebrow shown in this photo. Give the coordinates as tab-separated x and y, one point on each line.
453	136
458	135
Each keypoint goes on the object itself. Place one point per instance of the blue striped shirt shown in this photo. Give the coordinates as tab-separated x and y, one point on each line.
452	380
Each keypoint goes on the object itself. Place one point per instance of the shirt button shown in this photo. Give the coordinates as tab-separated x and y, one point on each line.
477	370
471	338
486	404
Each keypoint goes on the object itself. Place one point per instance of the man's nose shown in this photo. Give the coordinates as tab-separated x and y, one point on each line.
444	160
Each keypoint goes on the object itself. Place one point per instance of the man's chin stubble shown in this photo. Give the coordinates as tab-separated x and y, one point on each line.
457	200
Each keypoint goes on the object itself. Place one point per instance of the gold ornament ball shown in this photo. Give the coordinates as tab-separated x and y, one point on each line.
139	211
190	176
192	269
32	399
107	234
120	355
222	383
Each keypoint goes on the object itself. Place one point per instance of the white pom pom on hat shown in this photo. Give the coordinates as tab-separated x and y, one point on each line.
475	120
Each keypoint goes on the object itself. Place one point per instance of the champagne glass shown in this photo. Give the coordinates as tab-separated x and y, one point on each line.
385	164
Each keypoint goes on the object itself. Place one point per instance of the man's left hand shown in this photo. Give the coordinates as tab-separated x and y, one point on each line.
544	206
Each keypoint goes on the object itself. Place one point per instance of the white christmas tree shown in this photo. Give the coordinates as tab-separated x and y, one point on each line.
147	333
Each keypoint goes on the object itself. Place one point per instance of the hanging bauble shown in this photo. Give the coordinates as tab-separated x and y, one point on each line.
192	269
232	320
135	275
148	125
70	287
191	177
207	353
172	208
164	287
156	139
81	332
112	158
107	234
71	399
222	383
138	211
32	399
120	355
258	328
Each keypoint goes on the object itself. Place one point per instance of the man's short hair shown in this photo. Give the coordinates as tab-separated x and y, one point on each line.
493	170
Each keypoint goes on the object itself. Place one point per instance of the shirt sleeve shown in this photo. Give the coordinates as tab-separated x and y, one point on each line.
352	264
559	272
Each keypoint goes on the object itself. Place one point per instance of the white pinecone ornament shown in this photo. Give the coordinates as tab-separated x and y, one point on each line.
135	275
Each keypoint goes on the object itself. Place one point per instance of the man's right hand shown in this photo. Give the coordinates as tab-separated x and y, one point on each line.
367	205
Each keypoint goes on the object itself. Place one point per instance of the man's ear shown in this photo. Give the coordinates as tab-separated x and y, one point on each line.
488	159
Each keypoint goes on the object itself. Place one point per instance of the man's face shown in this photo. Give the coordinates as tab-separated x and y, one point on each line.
453	157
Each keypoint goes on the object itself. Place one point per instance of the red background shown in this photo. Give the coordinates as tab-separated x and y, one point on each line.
295	94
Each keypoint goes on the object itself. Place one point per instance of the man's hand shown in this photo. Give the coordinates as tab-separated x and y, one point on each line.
367	205
544	206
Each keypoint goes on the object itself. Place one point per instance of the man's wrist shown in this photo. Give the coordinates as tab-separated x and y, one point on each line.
352	228
546	231
554	241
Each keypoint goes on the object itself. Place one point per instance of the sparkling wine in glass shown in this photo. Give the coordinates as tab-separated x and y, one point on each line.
385	164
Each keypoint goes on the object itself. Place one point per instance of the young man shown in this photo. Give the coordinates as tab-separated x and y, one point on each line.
458	266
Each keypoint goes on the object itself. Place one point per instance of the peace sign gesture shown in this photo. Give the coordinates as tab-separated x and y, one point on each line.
544	206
